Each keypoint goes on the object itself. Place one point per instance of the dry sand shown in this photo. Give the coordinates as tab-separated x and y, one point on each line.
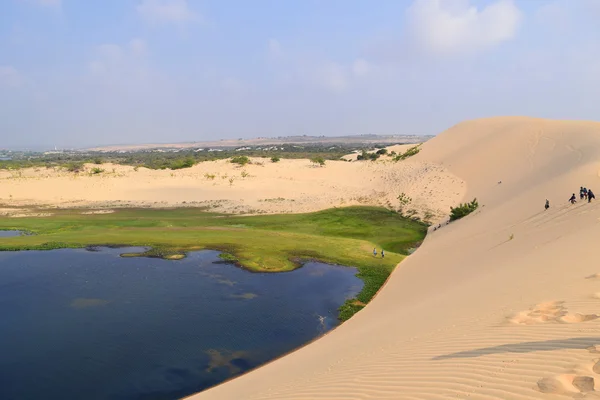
261	187
473	313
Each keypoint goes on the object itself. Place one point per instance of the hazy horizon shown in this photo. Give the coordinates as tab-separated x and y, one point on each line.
81	74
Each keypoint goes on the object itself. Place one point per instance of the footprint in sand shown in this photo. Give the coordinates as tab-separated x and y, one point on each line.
566	384
552	311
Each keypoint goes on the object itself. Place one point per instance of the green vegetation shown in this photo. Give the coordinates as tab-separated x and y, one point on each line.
318	160
381	152
269	243
365	155
74	167
275	159
240	160
463	209
408	153
404	201
96	171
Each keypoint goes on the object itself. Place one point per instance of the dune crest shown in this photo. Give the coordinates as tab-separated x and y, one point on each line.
494	306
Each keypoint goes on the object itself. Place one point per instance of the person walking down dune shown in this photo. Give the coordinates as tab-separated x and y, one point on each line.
374	252
573	199
590	195
382	253
547	205
585	193
581	192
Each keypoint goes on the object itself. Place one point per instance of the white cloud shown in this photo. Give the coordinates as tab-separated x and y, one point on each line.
10	77
116	62
166	11
453	26
138	47
360	67
333	76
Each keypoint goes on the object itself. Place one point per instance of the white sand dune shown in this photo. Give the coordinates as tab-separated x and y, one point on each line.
473	313
262	187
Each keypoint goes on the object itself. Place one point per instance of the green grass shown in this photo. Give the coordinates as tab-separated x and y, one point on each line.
269	243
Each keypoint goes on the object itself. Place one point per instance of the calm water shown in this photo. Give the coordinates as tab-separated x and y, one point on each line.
77	324
10	233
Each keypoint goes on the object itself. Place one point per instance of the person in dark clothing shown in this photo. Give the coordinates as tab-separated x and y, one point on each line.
581	191
590	195
547	205
573	199
382	253
585	193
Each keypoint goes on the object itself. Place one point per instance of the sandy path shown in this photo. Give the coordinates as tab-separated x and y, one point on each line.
501	305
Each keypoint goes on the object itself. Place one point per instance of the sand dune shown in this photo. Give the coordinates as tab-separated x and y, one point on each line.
262	187
501	305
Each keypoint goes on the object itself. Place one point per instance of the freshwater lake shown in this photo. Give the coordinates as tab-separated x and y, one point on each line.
80	324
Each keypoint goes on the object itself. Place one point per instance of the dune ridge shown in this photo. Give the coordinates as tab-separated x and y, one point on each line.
500	305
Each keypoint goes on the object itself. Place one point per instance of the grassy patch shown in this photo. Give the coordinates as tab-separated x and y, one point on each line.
269	243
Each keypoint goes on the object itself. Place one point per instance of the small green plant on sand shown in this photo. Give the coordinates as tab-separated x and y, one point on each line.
463	209
231	181
240	160
74	167
408	153
96	171
245	174
275	159
404	201
208	176
318	160
98	161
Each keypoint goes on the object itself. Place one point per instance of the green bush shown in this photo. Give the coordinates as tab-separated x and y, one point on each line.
462	210
74	167
275	159
365	155
97	170
318	160
98	161
240	160
408	153
381	151
182	163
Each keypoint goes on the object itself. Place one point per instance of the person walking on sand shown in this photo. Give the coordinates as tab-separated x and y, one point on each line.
581	192
547	205
590	195
382	253
374	252
573	199
585	193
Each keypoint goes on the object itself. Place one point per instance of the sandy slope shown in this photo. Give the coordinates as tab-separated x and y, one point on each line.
474	314
286	186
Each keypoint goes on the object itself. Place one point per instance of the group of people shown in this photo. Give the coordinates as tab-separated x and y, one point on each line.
584	194
375	253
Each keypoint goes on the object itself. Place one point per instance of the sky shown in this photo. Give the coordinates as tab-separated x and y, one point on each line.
79	73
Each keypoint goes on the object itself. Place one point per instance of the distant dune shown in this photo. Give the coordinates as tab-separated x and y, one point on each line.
306	140
503	304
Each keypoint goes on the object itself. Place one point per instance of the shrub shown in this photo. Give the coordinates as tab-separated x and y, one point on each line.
404	201
98	161
240	160
381	151
74	167
408	153
368	156
274	159
97	170
318	160
209	176
182	163
244	174
462	210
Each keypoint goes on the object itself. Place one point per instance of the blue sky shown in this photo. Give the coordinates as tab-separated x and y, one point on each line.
78	73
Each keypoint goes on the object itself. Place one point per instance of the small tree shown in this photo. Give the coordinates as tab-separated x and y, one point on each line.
240	160
318	160
381	151
274	159
463	209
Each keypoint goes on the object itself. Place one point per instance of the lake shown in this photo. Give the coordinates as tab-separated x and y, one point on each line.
10	233
80	324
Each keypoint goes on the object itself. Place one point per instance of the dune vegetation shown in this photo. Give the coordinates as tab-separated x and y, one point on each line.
266	243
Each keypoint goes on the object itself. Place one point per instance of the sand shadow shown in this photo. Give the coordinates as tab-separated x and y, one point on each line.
580	343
